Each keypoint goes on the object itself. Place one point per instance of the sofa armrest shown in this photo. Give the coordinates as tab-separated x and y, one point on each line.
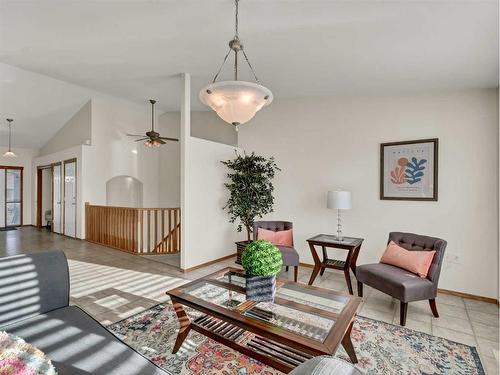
32	284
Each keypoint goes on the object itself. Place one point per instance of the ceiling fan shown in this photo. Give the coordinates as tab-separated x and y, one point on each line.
152	137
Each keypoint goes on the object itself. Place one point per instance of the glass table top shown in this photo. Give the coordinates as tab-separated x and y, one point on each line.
328	238
299	309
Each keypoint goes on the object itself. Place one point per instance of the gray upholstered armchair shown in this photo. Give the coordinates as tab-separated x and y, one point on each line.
290	255
402	284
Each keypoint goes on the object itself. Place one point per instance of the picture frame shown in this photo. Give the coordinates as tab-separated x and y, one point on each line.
409	170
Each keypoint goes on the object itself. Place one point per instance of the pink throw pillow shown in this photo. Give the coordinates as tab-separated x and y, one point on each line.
284	238
267	235
417	262
279	238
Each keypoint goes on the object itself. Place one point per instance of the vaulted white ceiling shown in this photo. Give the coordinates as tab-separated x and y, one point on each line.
136	49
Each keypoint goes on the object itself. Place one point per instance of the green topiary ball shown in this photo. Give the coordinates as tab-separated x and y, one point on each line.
261	258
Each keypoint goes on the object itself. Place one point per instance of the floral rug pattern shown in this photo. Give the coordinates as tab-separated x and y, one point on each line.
381	348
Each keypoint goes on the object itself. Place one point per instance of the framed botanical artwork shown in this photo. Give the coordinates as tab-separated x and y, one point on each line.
409	170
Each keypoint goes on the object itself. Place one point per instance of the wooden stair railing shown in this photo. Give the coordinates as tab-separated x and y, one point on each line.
169	241
142	231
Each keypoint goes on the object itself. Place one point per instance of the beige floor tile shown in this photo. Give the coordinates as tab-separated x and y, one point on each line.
452	310
485	331
485	307
449	300
453	335
491	365
376	314
484	318
488	348
460	325
416	325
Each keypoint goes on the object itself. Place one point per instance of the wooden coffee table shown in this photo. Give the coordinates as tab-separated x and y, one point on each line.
303	321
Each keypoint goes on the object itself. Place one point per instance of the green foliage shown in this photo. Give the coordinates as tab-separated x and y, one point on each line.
261	258
251	189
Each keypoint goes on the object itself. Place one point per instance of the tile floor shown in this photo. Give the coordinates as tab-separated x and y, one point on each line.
111	285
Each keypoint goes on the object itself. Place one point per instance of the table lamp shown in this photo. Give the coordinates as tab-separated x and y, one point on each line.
339	200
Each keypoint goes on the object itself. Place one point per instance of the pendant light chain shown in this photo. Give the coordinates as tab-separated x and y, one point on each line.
10	133
235	46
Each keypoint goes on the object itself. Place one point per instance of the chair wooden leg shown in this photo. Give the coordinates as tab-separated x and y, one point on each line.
402	313
295	273
360	289
432	303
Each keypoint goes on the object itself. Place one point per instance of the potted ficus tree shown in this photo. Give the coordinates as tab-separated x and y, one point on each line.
250	192
262	261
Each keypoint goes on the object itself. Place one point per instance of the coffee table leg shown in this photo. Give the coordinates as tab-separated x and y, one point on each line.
347	344
185	325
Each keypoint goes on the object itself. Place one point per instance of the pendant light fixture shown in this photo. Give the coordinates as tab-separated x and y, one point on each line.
236	102
9	153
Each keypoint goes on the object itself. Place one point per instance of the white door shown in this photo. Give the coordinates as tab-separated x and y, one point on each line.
70	199
2	198
57	199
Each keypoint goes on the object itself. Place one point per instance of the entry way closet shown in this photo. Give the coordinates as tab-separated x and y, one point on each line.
62	216
11	196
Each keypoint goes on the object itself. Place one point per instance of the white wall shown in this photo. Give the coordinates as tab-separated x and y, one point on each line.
206	234
208	125
24	156
77	131
113	153
209	235
170	161
330	143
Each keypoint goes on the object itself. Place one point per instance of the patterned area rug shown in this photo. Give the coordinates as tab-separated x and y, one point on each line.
381	348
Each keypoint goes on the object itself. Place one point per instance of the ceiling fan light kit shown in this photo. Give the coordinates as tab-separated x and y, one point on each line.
10	153
152	138
236	102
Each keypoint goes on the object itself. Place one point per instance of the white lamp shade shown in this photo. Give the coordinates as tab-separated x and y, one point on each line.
236	102
339	200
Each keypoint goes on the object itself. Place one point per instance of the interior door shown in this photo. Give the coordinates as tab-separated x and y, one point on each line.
69	228
57	199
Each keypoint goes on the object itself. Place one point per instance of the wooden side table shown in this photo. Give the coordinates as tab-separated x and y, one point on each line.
351	244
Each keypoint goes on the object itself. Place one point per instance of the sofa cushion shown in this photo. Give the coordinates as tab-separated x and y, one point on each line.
325	366
32	284
396	282
78	344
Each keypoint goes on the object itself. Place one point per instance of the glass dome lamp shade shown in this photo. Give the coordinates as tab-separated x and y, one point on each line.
9	154
236	102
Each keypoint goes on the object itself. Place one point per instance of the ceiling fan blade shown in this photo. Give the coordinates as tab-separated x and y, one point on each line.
159	141
135	135
142	139
169	139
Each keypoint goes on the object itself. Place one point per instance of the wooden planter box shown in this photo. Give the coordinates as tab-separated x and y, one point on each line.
240	247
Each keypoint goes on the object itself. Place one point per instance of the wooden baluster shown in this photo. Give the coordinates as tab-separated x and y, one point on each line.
163	245
175	231
171	229
156	232
149	230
